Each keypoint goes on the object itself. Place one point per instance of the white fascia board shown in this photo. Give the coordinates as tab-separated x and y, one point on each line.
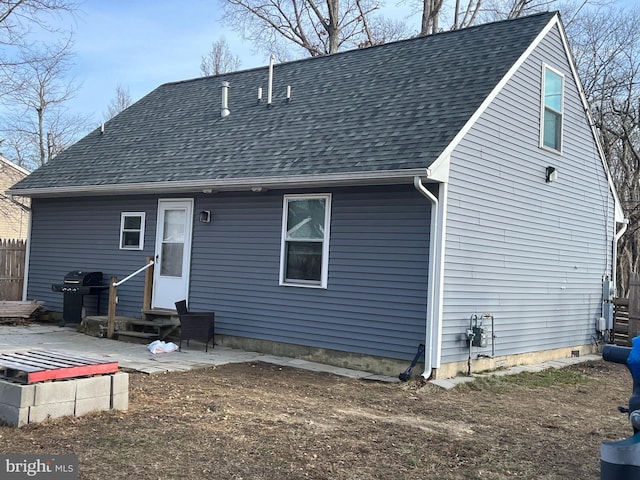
439	170
14	165
619	214
387	177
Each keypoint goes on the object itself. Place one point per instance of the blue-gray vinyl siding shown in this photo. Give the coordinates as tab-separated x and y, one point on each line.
375	302
531	253
84	234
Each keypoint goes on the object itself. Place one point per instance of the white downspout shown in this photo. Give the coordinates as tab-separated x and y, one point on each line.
27	255
433	263
614	265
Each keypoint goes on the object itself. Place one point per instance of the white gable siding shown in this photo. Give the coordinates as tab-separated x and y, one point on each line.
531	253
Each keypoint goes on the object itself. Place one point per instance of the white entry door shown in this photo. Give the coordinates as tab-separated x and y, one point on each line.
173	252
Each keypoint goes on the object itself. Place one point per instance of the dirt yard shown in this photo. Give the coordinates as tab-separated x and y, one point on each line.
256	421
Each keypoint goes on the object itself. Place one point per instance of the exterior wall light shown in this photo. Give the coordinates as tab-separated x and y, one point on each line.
551	174
205	216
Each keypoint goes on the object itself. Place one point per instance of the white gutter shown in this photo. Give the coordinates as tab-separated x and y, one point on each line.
614	265
432	342
383	177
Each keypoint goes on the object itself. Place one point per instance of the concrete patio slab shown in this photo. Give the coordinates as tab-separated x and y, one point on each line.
138	358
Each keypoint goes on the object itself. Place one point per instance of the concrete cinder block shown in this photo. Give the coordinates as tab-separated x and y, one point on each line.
55	392
94	404
119	383
14	416
40	413
93	387
120	401
17	395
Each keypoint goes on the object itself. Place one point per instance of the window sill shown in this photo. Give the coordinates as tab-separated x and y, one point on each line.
303	285
550	150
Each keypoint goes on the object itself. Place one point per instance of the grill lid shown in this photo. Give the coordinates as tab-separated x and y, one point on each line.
79	277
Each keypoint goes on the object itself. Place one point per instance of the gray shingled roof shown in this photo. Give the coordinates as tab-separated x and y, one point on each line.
388	108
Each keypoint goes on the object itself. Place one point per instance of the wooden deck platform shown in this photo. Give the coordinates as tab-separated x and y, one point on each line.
41	365
18	312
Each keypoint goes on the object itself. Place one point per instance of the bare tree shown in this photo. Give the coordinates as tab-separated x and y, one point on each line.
316	27
465	16
19	21
431	12
121	101
38	126
606	46
20	18
219	60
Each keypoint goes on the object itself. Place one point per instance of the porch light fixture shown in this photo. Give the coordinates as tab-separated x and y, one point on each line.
205	216
551	174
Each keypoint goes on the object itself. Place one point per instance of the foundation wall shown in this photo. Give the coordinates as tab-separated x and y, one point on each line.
449	370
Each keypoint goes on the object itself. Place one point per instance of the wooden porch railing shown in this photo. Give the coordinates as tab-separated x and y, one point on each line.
113	293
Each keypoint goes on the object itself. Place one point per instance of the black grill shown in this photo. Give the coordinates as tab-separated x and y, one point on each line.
76	286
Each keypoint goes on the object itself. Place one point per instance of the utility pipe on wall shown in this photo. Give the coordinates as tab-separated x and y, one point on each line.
614	265
431	291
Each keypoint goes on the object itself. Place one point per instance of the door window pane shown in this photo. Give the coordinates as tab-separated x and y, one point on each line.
171	263
174	221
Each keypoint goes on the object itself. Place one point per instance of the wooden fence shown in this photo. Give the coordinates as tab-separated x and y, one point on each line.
626	322
621	322
12	254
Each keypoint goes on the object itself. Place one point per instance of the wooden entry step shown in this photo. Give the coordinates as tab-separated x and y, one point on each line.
159	314
132	336
132	329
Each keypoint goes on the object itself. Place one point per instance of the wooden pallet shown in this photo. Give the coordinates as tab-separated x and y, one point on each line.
621	323
42	365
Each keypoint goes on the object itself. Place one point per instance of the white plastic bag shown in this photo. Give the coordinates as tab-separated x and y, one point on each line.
158	346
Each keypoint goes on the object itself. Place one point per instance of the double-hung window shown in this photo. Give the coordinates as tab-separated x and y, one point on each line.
304	257
132	231
552	109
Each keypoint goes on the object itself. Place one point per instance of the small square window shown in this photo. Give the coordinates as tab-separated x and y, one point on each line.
132	231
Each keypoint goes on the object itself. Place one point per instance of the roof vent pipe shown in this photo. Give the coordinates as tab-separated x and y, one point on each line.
224	110
270	87
259	94
288	93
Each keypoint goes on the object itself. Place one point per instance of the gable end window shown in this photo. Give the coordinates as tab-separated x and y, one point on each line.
304	255
552	109
132	230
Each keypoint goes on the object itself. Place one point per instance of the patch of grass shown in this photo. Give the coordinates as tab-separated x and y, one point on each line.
547	378
410	458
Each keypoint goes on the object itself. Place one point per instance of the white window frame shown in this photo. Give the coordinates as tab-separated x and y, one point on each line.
324	275
543	107
124	215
